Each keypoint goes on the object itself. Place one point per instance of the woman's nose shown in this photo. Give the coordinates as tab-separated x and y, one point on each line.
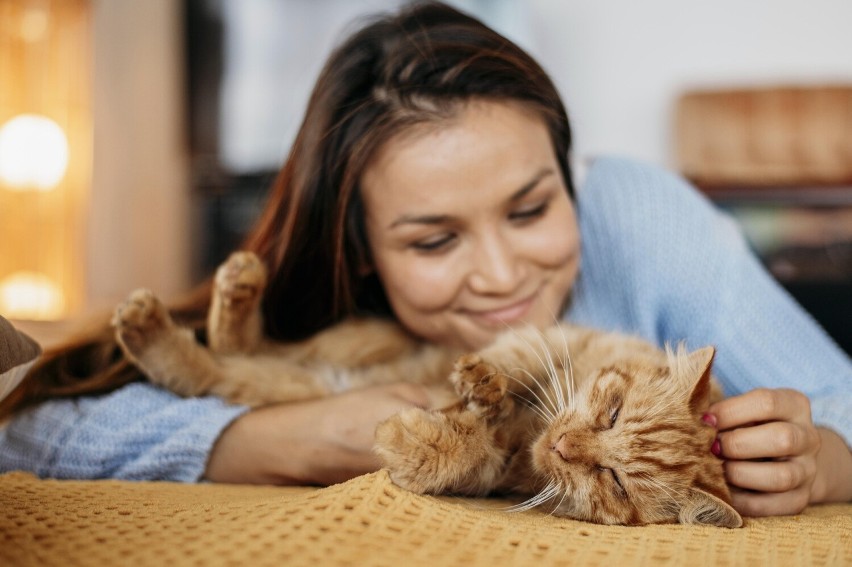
495	268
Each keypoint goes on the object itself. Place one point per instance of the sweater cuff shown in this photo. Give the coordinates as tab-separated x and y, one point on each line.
834	413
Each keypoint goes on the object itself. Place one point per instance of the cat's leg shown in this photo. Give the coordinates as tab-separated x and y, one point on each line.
234	322
537	363
167	354
458	450
482	388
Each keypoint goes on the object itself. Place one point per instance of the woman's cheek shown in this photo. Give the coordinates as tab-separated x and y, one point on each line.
427	283
555	243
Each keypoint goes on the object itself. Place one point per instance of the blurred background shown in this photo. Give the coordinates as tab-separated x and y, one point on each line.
138	138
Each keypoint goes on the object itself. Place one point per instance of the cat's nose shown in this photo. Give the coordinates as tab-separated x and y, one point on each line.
564	447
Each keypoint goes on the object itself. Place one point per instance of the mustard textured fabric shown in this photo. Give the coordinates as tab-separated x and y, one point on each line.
366	521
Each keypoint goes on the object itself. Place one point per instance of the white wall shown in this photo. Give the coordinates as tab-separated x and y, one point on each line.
138	229
620	64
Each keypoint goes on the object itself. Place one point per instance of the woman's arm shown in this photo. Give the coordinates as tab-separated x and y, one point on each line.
322	441
141	432
138	432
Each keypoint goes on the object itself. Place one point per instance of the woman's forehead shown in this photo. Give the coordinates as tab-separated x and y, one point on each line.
488	148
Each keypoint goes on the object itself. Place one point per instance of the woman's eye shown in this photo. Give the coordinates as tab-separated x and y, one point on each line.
433	244
529	213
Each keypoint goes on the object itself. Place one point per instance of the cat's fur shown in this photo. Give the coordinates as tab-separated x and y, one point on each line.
596	426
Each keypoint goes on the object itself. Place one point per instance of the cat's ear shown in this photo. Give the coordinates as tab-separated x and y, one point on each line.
703	508
700	363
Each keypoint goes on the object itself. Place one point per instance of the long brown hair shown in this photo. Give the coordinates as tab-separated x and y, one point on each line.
412	67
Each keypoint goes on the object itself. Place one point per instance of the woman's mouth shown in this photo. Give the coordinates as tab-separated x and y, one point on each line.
504	315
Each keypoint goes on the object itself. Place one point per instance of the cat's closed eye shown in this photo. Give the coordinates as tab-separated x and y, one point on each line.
613	415
618	486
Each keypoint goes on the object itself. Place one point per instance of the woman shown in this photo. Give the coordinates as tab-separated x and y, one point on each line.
430	182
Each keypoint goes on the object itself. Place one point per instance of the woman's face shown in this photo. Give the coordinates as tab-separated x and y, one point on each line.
470	225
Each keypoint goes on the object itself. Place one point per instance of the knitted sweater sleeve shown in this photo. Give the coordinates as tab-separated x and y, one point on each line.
138	432
661	261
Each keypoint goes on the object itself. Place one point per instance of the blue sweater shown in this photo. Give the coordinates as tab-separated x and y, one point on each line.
658	260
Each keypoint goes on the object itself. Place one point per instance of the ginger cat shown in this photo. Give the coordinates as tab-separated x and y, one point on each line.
595	426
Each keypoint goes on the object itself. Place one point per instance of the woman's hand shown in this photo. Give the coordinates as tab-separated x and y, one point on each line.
321	441
776	460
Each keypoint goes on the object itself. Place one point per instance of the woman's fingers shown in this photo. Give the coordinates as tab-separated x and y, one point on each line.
772	440
769	503
761	405
777	476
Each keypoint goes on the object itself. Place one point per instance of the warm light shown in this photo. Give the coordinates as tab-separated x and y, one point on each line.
33	153
28	295
34	24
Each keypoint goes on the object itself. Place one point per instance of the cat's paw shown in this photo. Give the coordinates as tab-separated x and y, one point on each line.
433	452
480	385
241	278
140	320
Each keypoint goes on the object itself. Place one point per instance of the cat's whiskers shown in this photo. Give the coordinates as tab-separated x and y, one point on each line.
673	494
550	491
567	366
567	369
554	405
532	405
543	409
559	504
552	373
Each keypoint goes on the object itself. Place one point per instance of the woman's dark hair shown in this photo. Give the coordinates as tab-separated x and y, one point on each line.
419	65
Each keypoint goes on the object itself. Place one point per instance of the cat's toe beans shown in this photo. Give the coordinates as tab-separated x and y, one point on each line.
475	378
142	311
490	390
467	362
241	277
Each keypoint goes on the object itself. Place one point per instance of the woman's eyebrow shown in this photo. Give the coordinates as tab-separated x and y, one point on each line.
440	219
420	219
530	185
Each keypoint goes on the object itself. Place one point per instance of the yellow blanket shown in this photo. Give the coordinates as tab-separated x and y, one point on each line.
366	521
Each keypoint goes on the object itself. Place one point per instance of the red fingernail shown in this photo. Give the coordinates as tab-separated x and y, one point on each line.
709	419
716	449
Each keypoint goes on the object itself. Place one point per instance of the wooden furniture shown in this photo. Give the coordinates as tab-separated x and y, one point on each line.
780	160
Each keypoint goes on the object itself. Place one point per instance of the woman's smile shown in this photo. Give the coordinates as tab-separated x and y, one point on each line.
503	315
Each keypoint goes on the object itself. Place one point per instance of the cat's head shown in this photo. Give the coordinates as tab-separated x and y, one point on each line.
634	450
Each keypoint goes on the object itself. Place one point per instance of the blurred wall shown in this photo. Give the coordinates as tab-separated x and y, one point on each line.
138	223
620	64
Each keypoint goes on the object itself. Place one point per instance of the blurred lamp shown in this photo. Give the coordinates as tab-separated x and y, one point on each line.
33	153
45	155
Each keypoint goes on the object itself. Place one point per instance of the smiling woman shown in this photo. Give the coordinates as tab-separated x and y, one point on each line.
470	225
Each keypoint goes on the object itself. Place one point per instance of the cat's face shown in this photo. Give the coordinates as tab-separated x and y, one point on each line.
633	449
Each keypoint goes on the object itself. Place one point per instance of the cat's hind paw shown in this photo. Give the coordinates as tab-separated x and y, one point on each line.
241	278
140	321
480	385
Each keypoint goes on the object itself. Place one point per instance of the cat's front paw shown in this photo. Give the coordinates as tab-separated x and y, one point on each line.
480	385
402	443
241	278
435	452
140	320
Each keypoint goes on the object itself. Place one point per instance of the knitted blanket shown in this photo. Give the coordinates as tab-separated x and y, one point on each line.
366	521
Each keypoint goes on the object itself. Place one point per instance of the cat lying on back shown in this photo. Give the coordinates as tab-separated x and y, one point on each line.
597	426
